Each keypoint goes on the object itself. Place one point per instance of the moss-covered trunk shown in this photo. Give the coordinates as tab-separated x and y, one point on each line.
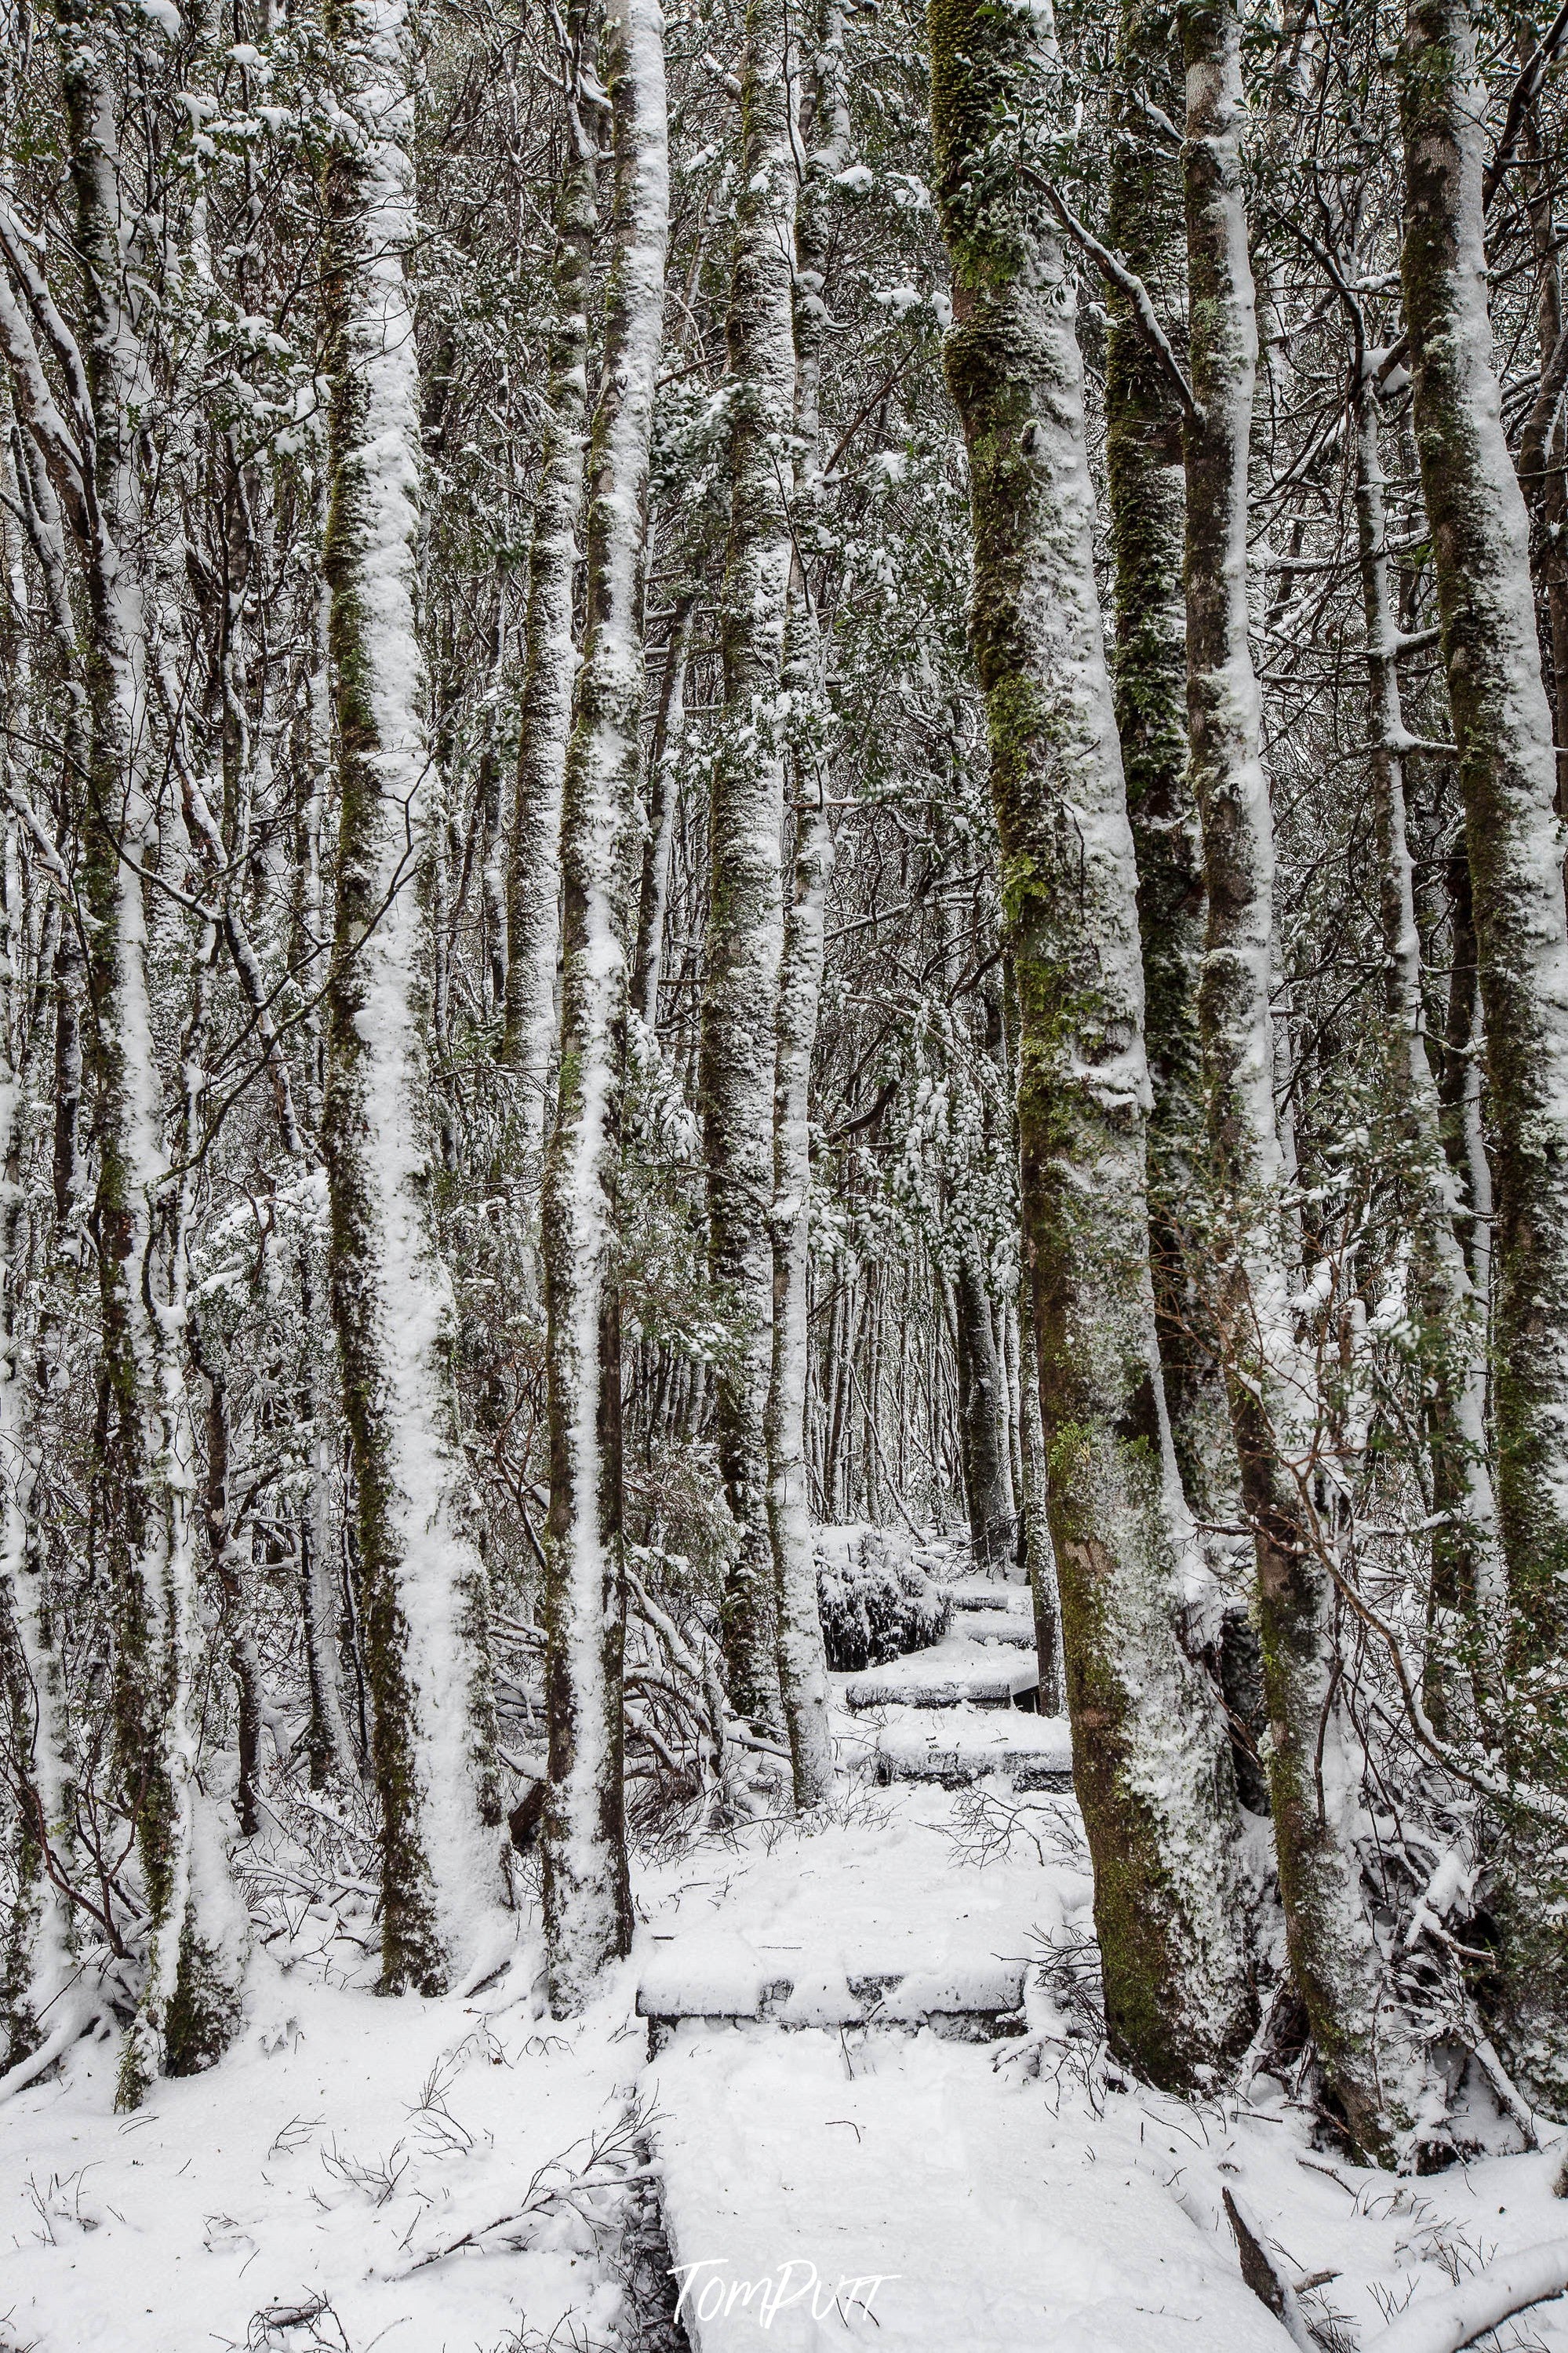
1502	728
745	919
143	1516
1145	225
1149	1749
664	809
37	1962
1446	1318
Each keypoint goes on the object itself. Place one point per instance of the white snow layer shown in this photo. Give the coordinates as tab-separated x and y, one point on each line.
879	2185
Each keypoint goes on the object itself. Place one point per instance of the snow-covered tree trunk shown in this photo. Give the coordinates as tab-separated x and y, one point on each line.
983	1410
802	1662
550	658
1149	1749
587	1900
187	2007
1542	445
36	1936
422	1575
664	807
1450	1332
1039	1560
1503	727
1462	1086
328	1744
1145	499
37	1961
329	1747
745	922
1314	1784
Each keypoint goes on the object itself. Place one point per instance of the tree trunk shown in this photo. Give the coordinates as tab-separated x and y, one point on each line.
1467	1568
225	1557
1149	1743
1036	1554
745	922
36	1934
1542	444
1503	727
492	827
550	660
587	1899
1144	482
664	767
1333	1954
188	2006
37	1941
802	1662
1040	1560
983	1414
419	1563
1463	1066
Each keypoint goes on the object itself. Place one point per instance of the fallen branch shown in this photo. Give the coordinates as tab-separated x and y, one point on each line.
1264	2274
1448	2322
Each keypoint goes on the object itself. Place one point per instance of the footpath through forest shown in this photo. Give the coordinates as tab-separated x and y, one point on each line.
849	2089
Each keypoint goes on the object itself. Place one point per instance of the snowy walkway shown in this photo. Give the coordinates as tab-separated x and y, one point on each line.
802	2157
841	2044
872	2116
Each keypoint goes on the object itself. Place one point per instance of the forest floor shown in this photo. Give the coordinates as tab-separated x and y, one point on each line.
464	2176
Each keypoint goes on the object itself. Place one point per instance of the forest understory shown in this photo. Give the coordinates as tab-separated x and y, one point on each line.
784	1174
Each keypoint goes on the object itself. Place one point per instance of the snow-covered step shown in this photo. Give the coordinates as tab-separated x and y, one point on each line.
957	1746
971	1595
991	1613
955	1673
909	2199
956	1984
991	1626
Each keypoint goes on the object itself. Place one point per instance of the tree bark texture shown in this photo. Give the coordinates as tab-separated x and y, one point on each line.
549	660
1502	728
1144	483
1314	1785
745	922
587	1898
1149	1749
422	1578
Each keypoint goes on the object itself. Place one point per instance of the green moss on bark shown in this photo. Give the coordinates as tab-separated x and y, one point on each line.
1151	1762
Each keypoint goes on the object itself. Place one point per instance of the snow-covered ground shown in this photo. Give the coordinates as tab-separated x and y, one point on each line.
987	2196
343	2143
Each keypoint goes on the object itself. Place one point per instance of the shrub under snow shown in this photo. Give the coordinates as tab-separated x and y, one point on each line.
876	1598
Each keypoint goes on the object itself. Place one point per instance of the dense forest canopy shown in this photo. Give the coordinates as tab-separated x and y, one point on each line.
765	771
